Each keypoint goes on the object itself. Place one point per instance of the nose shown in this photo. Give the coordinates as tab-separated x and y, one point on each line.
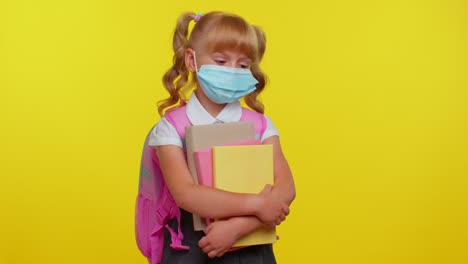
231	64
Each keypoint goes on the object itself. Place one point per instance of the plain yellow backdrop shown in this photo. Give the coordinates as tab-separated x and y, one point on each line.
370	98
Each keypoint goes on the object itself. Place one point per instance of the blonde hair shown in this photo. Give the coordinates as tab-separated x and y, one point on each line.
214	31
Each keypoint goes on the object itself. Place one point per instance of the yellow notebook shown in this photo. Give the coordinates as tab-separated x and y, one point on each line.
245	169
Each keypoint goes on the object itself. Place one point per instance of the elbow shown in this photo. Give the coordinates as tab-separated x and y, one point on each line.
291	196
182	200
287	194
183	197
286	191
292	191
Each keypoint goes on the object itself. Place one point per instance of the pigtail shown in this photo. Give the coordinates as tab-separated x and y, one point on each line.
251	99
177	76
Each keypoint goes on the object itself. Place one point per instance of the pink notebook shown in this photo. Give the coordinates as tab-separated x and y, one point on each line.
204	165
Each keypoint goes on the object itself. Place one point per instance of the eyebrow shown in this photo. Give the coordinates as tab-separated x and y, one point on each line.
242	57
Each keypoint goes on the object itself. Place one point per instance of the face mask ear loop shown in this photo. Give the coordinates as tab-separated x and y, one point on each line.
195	60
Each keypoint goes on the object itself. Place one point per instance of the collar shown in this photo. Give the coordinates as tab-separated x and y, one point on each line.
197	114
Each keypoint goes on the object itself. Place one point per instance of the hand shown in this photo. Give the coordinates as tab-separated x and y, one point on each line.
219	238
270	210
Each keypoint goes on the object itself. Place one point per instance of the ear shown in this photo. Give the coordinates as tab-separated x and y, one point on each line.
189	60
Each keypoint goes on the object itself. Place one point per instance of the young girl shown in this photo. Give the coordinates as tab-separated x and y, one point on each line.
221	58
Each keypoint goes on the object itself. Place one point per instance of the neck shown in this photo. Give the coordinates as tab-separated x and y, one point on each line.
211	107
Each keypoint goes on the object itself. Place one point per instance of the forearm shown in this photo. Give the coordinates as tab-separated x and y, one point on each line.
284	191
197	199
245	225
210	202
214	203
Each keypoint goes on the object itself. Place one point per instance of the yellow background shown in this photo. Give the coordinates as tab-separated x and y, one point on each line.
370	98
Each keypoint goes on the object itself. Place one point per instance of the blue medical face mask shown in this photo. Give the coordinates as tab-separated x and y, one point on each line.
225	84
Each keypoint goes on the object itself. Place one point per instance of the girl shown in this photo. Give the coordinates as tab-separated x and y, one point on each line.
220	47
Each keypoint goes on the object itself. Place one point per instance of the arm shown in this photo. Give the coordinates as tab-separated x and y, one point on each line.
220	236
283	189
210	202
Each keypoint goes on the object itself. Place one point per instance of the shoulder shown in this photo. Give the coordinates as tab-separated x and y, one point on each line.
178	119
270	129
248	113
170	130
252	116
174	115
164	133
263	125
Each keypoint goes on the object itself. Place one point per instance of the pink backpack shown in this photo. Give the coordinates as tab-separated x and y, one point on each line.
155	205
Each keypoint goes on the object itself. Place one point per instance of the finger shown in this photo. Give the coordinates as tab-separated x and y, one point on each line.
286	210
203	242
282	217
212	254
208	229
267	188
221	253
278	219
208	249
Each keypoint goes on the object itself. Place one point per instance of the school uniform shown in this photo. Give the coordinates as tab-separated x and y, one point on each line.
165	134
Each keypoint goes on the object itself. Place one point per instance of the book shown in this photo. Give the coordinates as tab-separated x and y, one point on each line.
206	136
245	169
204	164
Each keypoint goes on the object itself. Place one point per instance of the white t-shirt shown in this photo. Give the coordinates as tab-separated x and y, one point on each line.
165	134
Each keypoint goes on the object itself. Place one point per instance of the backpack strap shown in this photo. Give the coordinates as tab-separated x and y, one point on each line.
256	118
179	119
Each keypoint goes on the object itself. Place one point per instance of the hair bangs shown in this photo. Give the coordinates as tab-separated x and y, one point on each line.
232	33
